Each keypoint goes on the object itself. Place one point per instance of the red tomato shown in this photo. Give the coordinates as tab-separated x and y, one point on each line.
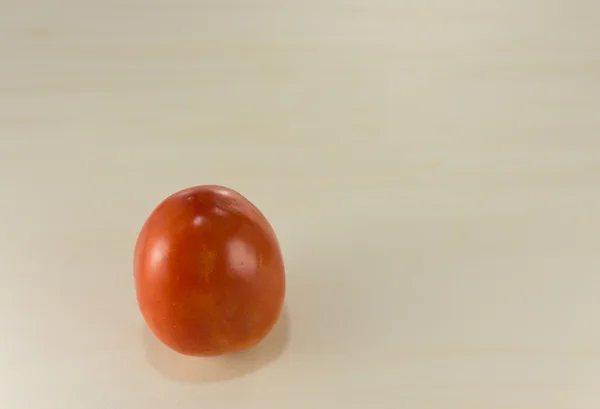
209	275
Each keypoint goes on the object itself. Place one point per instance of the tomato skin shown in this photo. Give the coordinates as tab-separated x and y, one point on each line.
209	274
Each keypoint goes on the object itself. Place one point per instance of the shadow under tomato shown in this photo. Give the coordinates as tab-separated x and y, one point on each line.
205	370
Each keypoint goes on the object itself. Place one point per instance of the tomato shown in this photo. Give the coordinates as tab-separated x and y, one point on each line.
209	274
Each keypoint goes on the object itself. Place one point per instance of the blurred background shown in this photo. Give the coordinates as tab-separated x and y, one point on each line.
432	170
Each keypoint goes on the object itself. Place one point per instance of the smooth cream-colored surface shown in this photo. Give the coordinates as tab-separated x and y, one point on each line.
432	169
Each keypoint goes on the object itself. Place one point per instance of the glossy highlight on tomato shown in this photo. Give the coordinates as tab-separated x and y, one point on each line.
209	274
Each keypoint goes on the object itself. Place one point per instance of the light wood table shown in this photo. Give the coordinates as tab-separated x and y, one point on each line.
432	169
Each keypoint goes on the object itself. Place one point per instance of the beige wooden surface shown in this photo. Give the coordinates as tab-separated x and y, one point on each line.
432	169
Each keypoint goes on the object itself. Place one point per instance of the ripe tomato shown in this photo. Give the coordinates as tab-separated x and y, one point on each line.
209	275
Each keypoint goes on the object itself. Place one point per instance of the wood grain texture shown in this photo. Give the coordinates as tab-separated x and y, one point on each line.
432	170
